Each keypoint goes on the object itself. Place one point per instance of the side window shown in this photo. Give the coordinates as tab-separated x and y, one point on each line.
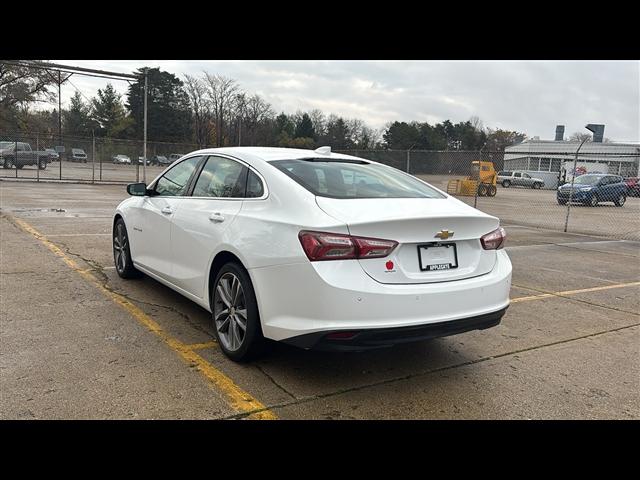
176	181
255	189
221	178
526	175
516	174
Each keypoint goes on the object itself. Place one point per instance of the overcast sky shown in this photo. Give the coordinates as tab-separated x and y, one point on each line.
527	96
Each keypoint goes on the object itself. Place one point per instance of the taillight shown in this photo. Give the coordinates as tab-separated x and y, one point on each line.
494	240
337	246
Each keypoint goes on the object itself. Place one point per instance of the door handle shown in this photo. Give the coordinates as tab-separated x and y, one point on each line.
216	217
167	210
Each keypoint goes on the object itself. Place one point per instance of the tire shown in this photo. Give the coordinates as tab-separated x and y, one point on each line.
562	202
593	202
42	164
19	167
232	291
122	252
491	191
506	183
8	163
536	186
482	190
620	201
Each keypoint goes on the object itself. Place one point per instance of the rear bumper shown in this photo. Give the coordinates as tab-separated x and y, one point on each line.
300	299
383	337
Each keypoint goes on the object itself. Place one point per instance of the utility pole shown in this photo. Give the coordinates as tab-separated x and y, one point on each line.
144	148
60	120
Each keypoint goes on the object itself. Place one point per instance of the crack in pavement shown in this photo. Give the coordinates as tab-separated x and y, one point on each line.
261	370
424	373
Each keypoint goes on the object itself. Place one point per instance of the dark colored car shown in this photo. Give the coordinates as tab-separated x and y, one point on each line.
633	186
592	189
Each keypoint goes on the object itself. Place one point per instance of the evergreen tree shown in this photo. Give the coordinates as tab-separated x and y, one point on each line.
108	112
304	127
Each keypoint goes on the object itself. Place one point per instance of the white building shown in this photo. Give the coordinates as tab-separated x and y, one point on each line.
548	156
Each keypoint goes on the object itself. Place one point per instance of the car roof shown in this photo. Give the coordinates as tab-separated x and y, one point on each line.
269	154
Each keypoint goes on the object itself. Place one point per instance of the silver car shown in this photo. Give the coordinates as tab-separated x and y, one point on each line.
519	178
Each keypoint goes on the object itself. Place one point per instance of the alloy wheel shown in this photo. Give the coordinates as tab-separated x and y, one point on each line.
230	311
120	245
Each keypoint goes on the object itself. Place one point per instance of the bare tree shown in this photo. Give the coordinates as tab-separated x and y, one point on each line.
221	91
579	136
200	109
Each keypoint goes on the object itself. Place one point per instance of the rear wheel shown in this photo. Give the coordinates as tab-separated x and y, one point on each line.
19	166
42	164
122	252
506	183
562	202
593	201
482	190
234	310
8	163
491	191
620	200
536	186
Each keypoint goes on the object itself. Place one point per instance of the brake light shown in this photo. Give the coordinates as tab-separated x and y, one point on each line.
494	240
336	246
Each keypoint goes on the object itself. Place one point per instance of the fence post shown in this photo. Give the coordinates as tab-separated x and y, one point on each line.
16	159
573	177
38	157
408	159
93	156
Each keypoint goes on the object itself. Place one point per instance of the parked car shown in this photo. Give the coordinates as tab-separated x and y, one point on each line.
175	156
121	160
53	155
633	186
77	155
142	162
160	160
519	178
592	189
19	154
319	250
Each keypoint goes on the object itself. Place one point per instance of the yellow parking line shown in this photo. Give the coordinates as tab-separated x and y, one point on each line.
237	398
201	346
573	292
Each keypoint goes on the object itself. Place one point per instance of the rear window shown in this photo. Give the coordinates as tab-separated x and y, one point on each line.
346	179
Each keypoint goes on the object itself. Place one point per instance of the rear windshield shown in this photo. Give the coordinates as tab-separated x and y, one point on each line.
338	179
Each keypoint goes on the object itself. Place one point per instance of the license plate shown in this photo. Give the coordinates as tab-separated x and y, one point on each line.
437	256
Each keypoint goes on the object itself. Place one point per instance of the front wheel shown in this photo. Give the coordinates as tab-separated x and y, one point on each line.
19	166
593	201
506	184
122	251
536	186
562	202
8	163
234	310
42	164
491	191
620	201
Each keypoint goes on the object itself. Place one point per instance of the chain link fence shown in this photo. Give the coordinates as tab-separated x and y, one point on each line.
519	186
46	157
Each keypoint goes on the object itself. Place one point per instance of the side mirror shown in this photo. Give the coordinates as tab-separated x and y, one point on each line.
137	189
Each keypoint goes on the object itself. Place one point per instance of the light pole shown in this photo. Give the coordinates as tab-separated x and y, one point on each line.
573	178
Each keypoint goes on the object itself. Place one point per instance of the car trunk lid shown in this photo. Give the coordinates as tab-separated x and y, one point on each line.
420	257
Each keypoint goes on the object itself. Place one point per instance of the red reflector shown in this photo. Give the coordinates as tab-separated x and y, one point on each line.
341	335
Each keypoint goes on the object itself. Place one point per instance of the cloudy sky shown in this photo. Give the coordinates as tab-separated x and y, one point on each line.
527	96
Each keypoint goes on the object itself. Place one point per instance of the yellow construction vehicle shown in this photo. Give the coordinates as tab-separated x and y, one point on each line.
482	180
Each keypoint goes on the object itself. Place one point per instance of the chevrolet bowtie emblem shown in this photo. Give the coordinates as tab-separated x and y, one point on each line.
444	234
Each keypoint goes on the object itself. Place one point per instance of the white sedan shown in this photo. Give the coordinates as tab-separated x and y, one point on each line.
313	248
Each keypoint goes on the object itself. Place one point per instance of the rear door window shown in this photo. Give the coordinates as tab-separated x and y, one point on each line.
221	178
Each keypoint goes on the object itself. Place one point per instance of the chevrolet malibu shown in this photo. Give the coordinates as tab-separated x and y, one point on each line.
313	248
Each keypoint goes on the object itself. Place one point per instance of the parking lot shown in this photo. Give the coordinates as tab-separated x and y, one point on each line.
79	342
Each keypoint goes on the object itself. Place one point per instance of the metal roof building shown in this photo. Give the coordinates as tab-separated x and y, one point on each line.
549	155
